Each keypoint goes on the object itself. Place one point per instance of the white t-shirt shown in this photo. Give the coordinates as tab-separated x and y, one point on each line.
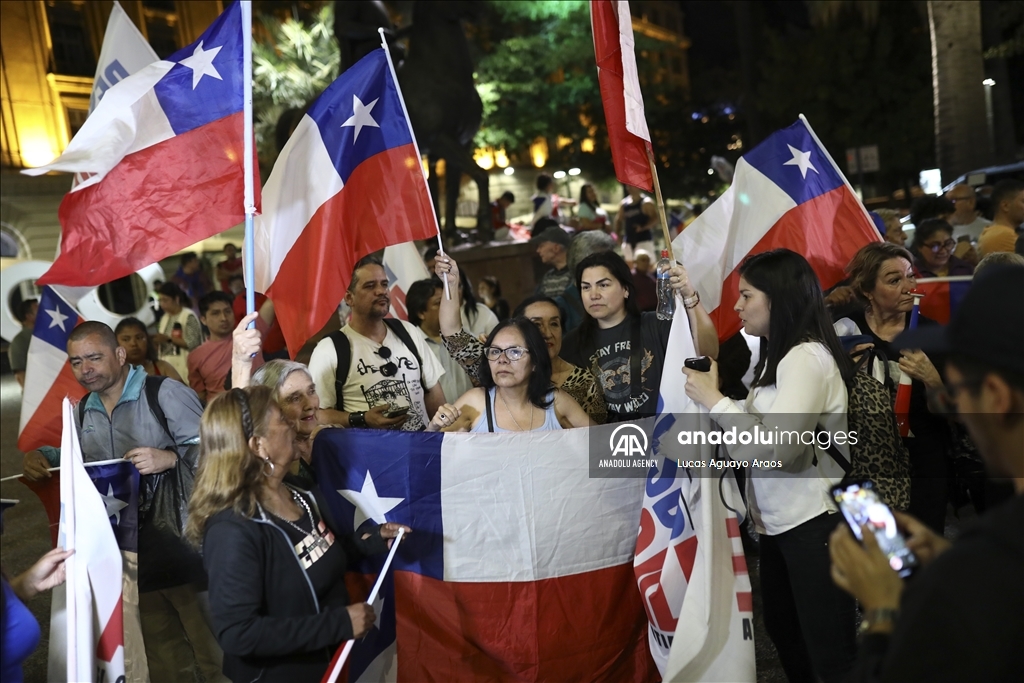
483	322
972	229
366	387
809	393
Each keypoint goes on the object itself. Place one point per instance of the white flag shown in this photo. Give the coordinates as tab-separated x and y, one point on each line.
124	52
86	625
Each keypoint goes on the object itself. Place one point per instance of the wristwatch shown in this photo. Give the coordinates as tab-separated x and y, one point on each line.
874	617
357	420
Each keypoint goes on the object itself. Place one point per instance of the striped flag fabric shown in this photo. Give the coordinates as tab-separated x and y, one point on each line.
623	102
519	566
86	627
48	375
162	162
349	182
786	192
942	296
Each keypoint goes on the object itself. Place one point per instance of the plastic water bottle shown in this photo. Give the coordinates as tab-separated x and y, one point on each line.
666	295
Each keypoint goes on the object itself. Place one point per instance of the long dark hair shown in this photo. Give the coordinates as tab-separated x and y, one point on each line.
468	297
583	196
620	271
798	311
540	377
137	324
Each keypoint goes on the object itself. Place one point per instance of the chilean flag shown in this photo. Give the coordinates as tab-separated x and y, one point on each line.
163	157
48	376
624	115
403	266
519	566
348	183
786	192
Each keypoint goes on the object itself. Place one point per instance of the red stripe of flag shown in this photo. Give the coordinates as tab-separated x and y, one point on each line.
745	601
629	152
111	229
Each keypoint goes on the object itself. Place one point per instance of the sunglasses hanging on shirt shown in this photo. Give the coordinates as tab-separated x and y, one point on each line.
389	369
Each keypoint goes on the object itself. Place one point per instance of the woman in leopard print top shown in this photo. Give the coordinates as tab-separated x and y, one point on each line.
545	314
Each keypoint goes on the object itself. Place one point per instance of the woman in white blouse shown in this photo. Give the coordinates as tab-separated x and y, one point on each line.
801	385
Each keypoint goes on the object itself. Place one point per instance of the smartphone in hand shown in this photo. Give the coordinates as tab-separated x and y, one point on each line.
861	505
700	363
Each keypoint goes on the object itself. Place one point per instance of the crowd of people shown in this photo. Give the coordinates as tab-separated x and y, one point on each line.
214	421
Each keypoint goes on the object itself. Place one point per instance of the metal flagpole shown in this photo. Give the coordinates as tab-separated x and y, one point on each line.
249	246
415	146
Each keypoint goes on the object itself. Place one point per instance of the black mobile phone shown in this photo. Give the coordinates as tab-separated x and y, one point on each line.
396	411
861	505
700	363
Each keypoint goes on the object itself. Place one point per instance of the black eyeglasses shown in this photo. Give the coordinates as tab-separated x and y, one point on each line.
389	369
513	353
948	245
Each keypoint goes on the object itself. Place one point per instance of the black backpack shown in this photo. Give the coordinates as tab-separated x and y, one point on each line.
879	454
344	350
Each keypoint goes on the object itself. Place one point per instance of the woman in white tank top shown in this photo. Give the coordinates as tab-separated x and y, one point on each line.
516	394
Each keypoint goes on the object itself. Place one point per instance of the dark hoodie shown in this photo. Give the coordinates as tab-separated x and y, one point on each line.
962	617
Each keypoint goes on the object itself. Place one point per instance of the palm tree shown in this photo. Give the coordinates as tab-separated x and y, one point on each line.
292	64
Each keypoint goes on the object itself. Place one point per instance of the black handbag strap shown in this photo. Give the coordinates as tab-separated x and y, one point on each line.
490	415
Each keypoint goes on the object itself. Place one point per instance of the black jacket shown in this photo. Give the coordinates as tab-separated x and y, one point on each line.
962	617
266	616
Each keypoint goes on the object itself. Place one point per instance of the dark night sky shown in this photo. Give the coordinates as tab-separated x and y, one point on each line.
711	27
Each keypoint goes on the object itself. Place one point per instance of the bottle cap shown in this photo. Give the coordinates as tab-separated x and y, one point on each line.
664	253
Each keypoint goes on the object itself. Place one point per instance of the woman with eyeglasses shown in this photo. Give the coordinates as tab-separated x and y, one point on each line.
515	393
933	246
543	312
882	278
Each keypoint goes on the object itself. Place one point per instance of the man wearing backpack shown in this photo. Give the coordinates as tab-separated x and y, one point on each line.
378	372
154	423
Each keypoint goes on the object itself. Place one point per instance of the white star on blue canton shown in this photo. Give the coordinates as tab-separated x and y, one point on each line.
56	318
201	63
360	116
368	504
114	504
800	159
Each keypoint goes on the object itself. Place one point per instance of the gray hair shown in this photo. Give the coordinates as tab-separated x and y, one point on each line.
276	372
587	243
999	258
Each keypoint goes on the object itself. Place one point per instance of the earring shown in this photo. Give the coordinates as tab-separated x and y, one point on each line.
266	461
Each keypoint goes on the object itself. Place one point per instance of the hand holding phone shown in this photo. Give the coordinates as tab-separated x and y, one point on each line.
396	411
861	506
700	363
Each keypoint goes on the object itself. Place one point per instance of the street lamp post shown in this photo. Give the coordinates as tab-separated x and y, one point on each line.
989	83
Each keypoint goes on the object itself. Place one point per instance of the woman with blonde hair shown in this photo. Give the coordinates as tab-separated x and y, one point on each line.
275	558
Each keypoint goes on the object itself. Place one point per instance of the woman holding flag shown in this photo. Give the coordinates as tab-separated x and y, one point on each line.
882	278
275	558
801	384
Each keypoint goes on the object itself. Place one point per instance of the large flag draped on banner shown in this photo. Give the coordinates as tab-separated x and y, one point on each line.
689	561
348	182
519	566
403	266
88	633
786	192
620	92
163	151
48	375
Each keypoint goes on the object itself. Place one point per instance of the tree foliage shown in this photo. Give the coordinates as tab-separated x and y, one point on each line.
292	64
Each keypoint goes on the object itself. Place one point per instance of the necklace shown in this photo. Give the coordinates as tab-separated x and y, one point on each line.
513	416
319	542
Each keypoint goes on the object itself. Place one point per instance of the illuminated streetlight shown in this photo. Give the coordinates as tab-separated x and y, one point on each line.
574	171
989	82
559	175
509	170
711	171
